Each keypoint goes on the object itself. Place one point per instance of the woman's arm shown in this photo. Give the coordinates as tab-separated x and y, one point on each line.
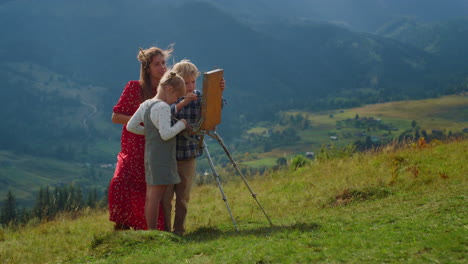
133	124
120	118
123	110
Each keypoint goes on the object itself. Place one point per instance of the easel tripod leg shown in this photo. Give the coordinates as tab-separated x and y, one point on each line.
254	195
216	176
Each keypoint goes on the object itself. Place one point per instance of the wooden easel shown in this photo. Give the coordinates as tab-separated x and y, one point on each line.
210	118
212	100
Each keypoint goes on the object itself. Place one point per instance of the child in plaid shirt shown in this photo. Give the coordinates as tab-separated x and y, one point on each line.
188	147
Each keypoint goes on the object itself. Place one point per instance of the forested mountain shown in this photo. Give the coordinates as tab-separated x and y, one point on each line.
362	15
63	63
295	64
47	114
95	43
447	40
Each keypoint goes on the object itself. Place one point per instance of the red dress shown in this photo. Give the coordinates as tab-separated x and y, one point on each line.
127	189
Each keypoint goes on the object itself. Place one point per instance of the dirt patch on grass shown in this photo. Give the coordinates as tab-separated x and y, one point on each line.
348	196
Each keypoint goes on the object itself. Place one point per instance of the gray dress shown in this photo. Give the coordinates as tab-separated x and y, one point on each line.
160	155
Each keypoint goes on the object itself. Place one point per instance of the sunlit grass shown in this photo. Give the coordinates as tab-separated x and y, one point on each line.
397	205
60	240
447	114
260	163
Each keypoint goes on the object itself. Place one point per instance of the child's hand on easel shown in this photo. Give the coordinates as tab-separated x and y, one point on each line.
189	97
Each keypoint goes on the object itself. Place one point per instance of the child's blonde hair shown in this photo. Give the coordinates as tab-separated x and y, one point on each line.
171	78
186	68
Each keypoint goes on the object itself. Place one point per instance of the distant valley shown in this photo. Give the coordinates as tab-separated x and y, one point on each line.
63	66
255	149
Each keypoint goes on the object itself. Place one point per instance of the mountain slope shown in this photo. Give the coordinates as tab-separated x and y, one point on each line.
397	206
48	113
294	65
365	15
64	65
288	61
447	40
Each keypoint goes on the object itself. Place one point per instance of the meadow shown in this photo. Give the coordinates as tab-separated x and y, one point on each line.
24	174
445	114
398	204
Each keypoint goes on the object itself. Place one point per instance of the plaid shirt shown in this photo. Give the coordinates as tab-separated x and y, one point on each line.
188	145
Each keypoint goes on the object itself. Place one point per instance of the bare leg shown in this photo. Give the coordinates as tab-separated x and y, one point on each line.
167	206
154	194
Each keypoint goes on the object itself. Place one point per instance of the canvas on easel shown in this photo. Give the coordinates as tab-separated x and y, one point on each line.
212	100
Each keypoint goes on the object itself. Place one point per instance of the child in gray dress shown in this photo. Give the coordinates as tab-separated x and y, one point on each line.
160	141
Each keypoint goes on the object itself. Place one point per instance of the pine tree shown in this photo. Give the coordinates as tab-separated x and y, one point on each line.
70	198
60	197
79	198
9	213
104	200
92	200
24	216
46	204
417	135
425	135
38	206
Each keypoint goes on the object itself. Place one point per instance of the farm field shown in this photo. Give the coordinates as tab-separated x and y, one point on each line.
445	114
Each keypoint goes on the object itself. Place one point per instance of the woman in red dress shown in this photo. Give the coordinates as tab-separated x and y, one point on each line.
127	189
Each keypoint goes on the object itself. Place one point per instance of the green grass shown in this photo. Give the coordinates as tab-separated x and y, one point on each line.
448	112
260	163
399	205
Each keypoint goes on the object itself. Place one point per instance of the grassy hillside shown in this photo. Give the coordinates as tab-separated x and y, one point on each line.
61	91
53	132
24	175
49	109
446	114
401	205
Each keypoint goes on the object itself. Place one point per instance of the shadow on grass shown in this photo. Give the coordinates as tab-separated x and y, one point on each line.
123	243
209	233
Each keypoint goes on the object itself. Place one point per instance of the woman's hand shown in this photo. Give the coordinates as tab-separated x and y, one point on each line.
222	84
